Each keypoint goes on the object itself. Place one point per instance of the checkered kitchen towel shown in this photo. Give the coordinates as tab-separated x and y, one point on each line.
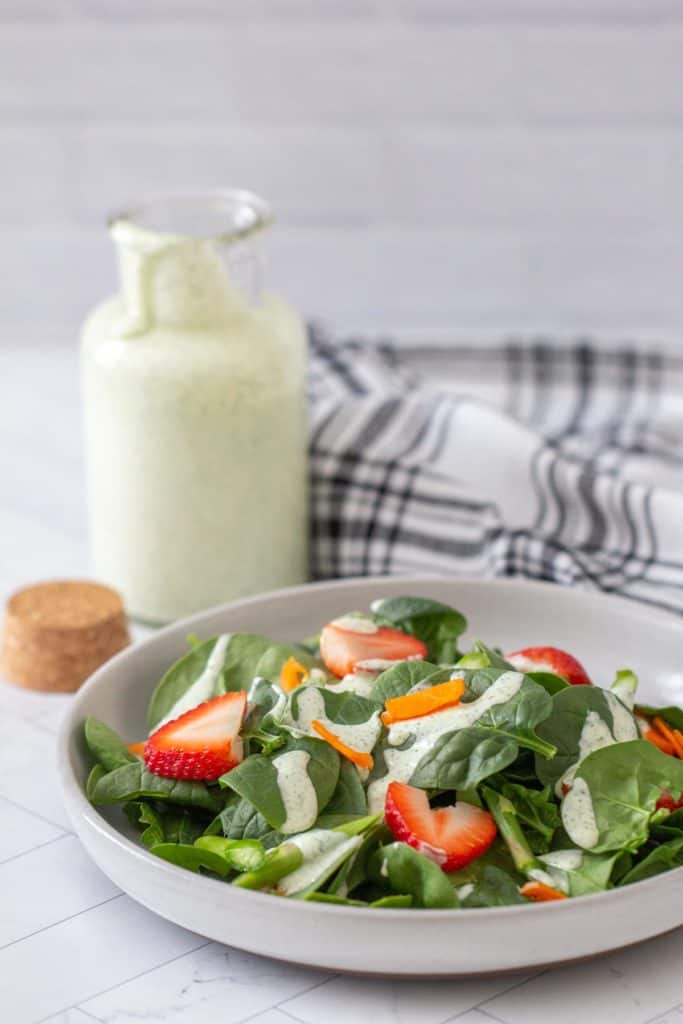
560	463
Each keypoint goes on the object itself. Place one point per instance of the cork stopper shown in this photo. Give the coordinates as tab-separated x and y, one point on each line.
56	634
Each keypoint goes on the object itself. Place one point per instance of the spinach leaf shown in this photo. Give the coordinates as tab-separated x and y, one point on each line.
242	655
537	809
140	812
516	717
348	799
436	624
402	678
493	888
255	779
241	820
662	858
343	708
192	858
96	773
673	716
624	782
669	827
405	871
273	658
133	781
551	683
463	759
167	825
106	747
484	657
571	708
354	871
324	851
591	875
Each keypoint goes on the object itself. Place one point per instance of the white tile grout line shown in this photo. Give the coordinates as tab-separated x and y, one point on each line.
54	924
120	984
38	846
305	991
291	1016
678	1008
518	984
255	1016
29	810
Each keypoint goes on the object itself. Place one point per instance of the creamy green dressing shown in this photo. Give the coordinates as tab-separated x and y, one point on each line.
422	734
297	791
578	816
311	705
355	624
322	850
596	734
194	409
204	686
558	863
360	683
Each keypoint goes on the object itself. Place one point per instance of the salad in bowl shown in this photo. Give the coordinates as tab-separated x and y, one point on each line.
379	765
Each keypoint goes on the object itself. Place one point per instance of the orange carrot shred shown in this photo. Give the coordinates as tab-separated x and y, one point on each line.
657	740
669	734
423	702
678	742
292	674
541	893
137	748
358	757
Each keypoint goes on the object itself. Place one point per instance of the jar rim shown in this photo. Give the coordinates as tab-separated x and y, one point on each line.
239	214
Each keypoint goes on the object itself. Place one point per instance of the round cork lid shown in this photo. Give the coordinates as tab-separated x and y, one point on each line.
57	633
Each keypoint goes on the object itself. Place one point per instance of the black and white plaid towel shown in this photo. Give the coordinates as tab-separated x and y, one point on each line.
561	463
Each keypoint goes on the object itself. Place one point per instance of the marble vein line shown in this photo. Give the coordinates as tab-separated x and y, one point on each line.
67	1009
53	924
134	977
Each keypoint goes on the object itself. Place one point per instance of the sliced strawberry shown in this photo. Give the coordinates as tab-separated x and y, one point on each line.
201	744
450	836
342	648
667	802
550	659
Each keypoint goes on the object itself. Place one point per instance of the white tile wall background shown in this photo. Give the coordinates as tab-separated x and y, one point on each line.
437	165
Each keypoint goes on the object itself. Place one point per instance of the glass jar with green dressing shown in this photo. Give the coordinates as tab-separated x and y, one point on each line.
193	383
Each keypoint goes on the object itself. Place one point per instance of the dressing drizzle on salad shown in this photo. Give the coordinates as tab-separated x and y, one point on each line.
330	770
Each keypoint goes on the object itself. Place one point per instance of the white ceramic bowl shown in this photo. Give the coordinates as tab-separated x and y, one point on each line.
604	633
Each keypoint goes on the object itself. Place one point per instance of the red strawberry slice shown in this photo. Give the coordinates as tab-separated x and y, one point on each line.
450	836
667	802
550	659
342	648
201	744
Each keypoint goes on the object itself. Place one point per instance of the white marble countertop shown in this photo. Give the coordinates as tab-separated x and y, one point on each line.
74	949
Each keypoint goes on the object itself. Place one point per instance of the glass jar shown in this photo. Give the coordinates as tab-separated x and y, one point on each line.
193	384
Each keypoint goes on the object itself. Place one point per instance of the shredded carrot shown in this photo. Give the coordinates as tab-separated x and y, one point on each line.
358	757
292	674
137	748
423	702
657	740
672	736
541	893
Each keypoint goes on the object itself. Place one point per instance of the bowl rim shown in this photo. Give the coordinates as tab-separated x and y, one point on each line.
77	803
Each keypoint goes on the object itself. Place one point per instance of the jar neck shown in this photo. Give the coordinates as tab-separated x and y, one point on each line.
184	279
